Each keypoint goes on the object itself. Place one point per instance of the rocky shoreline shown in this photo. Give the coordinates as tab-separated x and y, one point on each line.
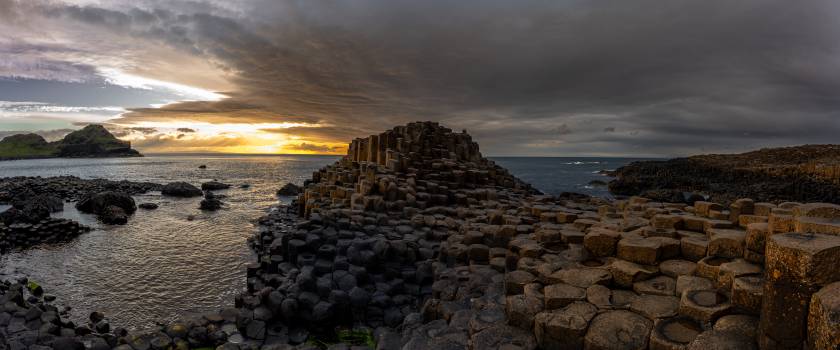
415	241
809	173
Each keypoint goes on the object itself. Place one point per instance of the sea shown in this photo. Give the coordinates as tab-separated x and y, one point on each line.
178	261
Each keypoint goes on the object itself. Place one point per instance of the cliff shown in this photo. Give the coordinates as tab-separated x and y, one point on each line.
92	141
803	173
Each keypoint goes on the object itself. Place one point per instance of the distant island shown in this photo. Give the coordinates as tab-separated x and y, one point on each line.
93	141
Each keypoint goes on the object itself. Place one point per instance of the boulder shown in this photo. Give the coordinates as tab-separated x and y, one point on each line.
180	189
289	189
148	206
97	203
214	186
112	208
210	202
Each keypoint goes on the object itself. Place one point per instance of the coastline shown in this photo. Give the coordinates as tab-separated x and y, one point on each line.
421	247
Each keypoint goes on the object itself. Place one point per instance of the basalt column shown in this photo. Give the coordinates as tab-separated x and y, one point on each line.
797	265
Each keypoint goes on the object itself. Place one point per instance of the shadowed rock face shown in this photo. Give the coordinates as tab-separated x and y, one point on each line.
94	141
808	173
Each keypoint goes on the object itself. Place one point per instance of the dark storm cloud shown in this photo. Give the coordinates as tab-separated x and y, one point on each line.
640	77
144	131
185	130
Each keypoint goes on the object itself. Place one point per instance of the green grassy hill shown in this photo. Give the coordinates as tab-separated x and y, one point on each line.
23	146
90	142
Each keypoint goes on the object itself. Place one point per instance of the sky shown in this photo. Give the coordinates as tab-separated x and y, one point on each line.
525	78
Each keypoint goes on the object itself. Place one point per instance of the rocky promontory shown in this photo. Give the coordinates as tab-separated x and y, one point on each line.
92	141
413	241
809	173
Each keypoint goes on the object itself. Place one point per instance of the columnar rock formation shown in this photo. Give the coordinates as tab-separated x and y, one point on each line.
414	235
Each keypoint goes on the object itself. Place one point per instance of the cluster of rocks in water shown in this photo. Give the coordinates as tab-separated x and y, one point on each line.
28	222
25	234
417	238
67	188
33	199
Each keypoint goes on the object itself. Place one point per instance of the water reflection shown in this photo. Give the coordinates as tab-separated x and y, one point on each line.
162	264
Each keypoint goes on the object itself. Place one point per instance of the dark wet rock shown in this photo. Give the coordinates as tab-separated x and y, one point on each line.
597	183
110	207
180	189
66	343
114	215
28	200
67	188
214	186
97	203
28	215
210	202
148	206
289	189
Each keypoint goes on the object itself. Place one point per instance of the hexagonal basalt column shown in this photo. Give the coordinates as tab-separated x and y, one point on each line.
564	329
797	266
674	333
704	305
824	318
726	243
618	330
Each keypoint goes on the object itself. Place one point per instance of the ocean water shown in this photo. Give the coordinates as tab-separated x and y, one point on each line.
554	175
162	265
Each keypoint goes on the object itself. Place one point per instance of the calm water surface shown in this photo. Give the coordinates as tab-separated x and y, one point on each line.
161	265
554	175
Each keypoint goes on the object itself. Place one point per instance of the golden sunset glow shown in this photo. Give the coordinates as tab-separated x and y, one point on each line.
192	136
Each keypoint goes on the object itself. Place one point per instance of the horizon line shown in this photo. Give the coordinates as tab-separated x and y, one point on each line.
342	155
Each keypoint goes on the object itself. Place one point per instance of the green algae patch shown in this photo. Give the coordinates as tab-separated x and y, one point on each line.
352	337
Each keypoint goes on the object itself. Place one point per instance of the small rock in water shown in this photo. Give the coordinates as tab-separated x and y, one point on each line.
245	186
190	217
214	185
180	189
210	202
202	166
96	316
148	206
597	183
